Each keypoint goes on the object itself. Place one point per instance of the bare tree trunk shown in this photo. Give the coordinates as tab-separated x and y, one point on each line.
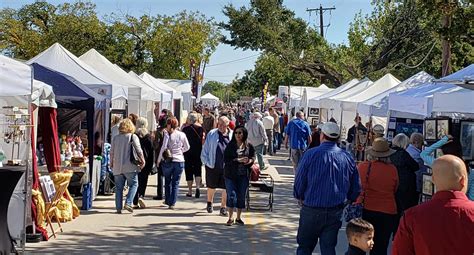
446	44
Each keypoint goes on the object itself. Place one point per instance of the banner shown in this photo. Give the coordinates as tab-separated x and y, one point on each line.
264	95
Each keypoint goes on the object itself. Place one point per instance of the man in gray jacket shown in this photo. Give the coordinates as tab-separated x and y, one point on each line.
257	137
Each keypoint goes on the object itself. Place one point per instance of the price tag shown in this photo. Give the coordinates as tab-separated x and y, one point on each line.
15	109
22	128
17	116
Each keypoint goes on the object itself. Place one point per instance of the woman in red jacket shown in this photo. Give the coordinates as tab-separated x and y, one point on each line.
379	180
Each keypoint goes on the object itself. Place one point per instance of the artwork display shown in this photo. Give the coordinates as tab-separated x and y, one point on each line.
315	121
428	187
442	128
313	112
430	129
467	139
409	128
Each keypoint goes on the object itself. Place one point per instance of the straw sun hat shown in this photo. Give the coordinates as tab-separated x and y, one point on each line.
380	148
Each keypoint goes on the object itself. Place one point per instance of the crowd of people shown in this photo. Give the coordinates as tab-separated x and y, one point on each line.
227	141
384	189
383	181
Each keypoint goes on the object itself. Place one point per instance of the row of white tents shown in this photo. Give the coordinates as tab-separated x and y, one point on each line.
127	91
417	97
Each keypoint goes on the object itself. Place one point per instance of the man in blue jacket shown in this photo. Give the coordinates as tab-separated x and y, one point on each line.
298	133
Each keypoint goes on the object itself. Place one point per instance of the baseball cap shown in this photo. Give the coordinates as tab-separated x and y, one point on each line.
330	129
378	129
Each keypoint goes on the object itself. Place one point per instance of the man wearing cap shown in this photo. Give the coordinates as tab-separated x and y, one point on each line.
326	177
298	133
445	224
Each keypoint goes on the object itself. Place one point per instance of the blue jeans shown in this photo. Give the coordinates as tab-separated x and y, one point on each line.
276	141
318	224
236	191
259	151
132	181
172	172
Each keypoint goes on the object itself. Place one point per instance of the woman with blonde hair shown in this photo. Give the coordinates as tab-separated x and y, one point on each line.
123	168
148	153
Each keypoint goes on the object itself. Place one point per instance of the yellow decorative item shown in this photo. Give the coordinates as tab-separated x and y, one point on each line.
37	196
68	209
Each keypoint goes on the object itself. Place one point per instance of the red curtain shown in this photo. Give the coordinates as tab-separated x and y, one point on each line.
36	185
49	124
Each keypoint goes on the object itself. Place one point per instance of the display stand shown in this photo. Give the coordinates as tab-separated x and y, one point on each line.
51	207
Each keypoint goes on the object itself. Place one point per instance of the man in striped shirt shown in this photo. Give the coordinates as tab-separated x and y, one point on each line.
326	177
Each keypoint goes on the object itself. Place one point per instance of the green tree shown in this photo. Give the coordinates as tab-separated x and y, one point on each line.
178	39
26	32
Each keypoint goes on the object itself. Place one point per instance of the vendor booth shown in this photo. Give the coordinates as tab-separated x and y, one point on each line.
80	117
314	102
177	98
409	108
141	97
59	59
185	87
378	105
210	100
333	105
312	114
19	96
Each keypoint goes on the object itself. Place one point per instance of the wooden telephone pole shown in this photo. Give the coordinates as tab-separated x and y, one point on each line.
321	16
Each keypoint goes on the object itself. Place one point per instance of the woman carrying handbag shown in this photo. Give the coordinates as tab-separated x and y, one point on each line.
125	144
378	193
171	156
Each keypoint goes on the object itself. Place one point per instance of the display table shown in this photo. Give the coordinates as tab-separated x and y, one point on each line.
9	177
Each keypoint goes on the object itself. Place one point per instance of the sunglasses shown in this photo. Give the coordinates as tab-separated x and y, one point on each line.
239	133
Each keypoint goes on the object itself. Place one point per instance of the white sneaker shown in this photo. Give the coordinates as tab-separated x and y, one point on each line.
141	202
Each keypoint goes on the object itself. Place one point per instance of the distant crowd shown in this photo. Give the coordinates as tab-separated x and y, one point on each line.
379	195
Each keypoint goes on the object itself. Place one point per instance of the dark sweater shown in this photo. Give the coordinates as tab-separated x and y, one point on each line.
352	250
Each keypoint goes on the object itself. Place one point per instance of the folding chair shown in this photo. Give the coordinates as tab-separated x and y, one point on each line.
51	207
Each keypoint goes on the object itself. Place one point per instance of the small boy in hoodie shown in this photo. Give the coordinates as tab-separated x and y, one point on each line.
360	234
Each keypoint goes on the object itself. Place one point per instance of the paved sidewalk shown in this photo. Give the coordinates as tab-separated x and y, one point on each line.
188	229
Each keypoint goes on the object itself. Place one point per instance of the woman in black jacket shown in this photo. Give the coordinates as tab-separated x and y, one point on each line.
406	195
238	158
148	152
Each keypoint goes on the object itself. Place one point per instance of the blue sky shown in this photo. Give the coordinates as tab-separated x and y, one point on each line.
336	33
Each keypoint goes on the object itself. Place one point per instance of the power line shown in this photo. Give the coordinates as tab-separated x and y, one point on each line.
235	60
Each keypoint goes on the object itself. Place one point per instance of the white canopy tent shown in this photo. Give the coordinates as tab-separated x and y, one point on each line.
296	92
378	105
333	105
18	88
463	77
381	85
60	59
333	102
417	102
315	101
455	104
150	79
210	99
185	88
312	92
141	97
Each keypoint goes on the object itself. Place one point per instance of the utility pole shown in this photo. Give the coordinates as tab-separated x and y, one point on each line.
321	16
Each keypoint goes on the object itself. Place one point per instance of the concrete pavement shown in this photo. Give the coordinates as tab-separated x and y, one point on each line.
188	229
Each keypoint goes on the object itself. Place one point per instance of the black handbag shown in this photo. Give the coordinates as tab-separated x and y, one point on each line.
134	158
353	211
